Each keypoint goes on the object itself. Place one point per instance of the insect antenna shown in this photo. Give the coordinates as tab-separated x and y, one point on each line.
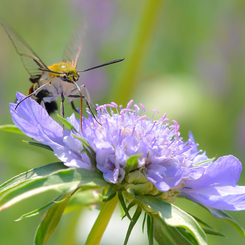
105	64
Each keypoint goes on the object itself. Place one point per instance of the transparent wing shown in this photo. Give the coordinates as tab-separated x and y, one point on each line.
74	45
30	60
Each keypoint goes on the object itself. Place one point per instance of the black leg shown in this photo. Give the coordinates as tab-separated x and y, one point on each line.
62	112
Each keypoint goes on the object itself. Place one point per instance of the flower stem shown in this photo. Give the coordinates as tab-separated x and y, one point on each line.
101	222
143	34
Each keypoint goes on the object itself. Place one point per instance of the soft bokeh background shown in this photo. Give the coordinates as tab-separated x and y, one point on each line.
185	58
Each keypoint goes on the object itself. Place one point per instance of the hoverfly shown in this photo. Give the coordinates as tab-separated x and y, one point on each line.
57	80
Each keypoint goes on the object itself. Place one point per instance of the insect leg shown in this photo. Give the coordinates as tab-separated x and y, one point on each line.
62	112
73	106
90	109
31	94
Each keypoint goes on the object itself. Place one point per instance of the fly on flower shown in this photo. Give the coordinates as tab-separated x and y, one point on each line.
57	80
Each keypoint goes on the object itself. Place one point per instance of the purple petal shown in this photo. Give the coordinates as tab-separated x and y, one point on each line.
165	175
29	114
220	197
225	170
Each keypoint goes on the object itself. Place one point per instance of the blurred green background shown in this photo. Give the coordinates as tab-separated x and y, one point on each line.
185	58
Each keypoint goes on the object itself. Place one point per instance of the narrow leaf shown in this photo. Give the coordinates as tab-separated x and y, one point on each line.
85	142
132	224
66	124
123	204
39	210
227	218
83	198
11	128
175	217
31	174
38	144
62	181
187	235
50	222
168	235
214	232
150	229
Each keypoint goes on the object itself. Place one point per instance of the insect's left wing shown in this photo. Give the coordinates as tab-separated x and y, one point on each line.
30	60
74	46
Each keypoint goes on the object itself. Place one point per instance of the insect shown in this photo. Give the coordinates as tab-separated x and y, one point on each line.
57	80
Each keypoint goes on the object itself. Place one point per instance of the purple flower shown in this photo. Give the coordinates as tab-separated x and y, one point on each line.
166	165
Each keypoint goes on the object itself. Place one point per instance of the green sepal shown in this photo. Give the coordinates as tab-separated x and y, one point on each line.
48	225
111	193
63	180
39	210
11	128
175	217
132	223
132	163
67	124
38	144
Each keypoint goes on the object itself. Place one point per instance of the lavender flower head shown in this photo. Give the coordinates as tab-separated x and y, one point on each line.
137	154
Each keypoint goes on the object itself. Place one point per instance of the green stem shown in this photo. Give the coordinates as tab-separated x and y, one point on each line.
143	34
101	222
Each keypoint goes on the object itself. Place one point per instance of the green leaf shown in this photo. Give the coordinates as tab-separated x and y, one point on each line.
175	217
39	210
50	222
132	163
85	143
202	222
66	124
63	180
83	198
38	144
187	235
132	224
11	128
214	232
222	215
150	229
88	150
123	204
165	234
31	174
111	193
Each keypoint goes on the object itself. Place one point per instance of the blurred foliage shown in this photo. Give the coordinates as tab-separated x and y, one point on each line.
185	58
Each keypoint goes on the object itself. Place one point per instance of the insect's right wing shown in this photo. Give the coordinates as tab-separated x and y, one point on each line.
30	60
74	46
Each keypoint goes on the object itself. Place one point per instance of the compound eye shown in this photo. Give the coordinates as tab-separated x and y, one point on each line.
77	77
63	77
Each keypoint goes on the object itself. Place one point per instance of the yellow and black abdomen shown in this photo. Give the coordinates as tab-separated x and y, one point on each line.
51	107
